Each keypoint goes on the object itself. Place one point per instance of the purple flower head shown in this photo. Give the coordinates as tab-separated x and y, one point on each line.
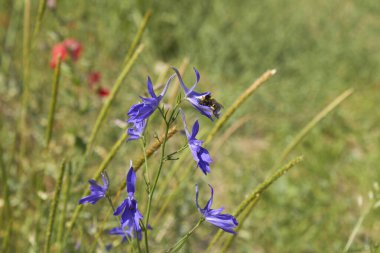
200	154
141	111
97	191
226	222
203	102
130	215
119	231
136	130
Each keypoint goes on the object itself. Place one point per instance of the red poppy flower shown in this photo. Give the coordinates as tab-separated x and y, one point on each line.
59	50
103	92
74	48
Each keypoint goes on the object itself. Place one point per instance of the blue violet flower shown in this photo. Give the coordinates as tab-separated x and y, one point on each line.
119	231
97	192
203	102
226	222
200	154
142	111
130	215
136	130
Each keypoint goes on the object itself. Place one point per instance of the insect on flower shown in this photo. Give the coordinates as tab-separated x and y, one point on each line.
202	102
207	100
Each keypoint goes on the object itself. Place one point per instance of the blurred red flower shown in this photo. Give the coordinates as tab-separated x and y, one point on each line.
93	78
68	47
59	50
103	92
74	48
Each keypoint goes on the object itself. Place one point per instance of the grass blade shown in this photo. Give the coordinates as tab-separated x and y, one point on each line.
53	208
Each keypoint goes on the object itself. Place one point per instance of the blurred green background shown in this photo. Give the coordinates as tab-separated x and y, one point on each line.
319	48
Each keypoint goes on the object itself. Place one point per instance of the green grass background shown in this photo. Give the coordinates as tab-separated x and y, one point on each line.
319	48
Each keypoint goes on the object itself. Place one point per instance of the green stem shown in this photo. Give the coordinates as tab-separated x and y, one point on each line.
26	77
7	212
169	157
162	159
66	194
53	207
146	172
137	38
53	103
106	106
357	227
317	118
40	15
182	241
244	216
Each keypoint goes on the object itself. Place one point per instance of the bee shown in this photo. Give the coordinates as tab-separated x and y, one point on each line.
208	101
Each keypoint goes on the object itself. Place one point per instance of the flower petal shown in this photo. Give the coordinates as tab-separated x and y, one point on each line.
131	180
150	88
185	89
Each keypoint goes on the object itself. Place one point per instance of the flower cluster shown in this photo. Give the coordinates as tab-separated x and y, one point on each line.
131	220
130	214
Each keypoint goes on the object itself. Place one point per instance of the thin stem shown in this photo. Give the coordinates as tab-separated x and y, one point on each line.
66	194
162	159
137	38
146	172
317	118
182	241
169	157
244	216
40	15
53	103
26	76
357	227
7	212
53	207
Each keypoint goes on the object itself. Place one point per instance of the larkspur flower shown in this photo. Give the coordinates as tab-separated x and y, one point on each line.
203	102
97	192
119	231
135	132
226	222
130	215
200	154
142	111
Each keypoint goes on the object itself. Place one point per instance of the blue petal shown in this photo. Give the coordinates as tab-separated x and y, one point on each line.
195	130
166	86
150	88
198	77
185	89
131	180
120	208
224	221
184	122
